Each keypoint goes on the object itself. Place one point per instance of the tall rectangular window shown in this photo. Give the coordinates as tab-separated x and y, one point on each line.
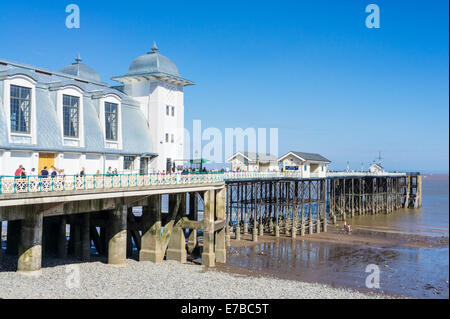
71	105
20	109
167	110
173	110
167	138
172	140
111	120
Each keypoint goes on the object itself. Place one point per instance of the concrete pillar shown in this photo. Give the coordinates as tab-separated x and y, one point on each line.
245	227
302	229
228	240
221	254
151	238
277	231
85	234
177	246
193	215
293	232
261	229
208	255
13	237
61	240
117	245
325	222
238	233
30	247
255	234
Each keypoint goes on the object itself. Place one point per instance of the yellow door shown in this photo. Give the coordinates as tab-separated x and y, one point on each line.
46	159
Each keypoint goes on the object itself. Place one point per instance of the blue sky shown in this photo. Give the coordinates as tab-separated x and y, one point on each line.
310	68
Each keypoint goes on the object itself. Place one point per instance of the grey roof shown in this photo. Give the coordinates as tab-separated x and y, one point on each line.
81	70
260	157
154	64
310	156
136	135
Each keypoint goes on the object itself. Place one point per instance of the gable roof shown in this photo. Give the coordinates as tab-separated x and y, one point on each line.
377	165
255	157
307	156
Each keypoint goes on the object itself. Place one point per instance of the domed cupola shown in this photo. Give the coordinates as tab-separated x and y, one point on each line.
153	65
82	71
152	62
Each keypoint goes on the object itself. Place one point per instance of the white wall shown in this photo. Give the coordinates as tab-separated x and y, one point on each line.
93	163
71	163
153	97
12	159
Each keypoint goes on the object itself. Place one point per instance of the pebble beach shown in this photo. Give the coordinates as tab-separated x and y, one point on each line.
171	280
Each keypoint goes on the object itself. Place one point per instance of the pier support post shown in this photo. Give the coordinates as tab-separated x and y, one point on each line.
255	234
208	255
221	254
177	246
30	247
85	231
117	245
151	238
238	233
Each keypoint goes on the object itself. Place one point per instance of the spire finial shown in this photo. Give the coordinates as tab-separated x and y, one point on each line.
154	47
78	59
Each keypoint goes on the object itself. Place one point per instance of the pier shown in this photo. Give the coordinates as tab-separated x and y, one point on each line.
99	212
283	203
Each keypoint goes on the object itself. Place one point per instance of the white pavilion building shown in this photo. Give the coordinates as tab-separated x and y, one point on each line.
71	119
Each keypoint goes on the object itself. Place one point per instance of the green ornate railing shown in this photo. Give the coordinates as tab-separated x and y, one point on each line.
37	184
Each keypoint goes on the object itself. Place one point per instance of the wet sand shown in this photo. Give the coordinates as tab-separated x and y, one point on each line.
406	261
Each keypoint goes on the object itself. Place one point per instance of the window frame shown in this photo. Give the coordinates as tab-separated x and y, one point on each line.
28	121
116	133
128	159
78	108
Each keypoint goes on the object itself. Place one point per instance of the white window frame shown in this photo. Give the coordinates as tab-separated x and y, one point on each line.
71	90
111	98
23	81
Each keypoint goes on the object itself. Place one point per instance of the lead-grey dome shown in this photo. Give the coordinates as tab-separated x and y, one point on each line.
82	71
152	62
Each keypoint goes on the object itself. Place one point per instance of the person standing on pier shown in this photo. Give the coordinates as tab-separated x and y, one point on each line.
44	172
18	172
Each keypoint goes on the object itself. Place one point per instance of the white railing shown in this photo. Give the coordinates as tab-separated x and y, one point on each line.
36	184
262	175
356	174
298	174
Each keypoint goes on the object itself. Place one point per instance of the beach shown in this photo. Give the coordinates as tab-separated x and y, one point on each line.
171	280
